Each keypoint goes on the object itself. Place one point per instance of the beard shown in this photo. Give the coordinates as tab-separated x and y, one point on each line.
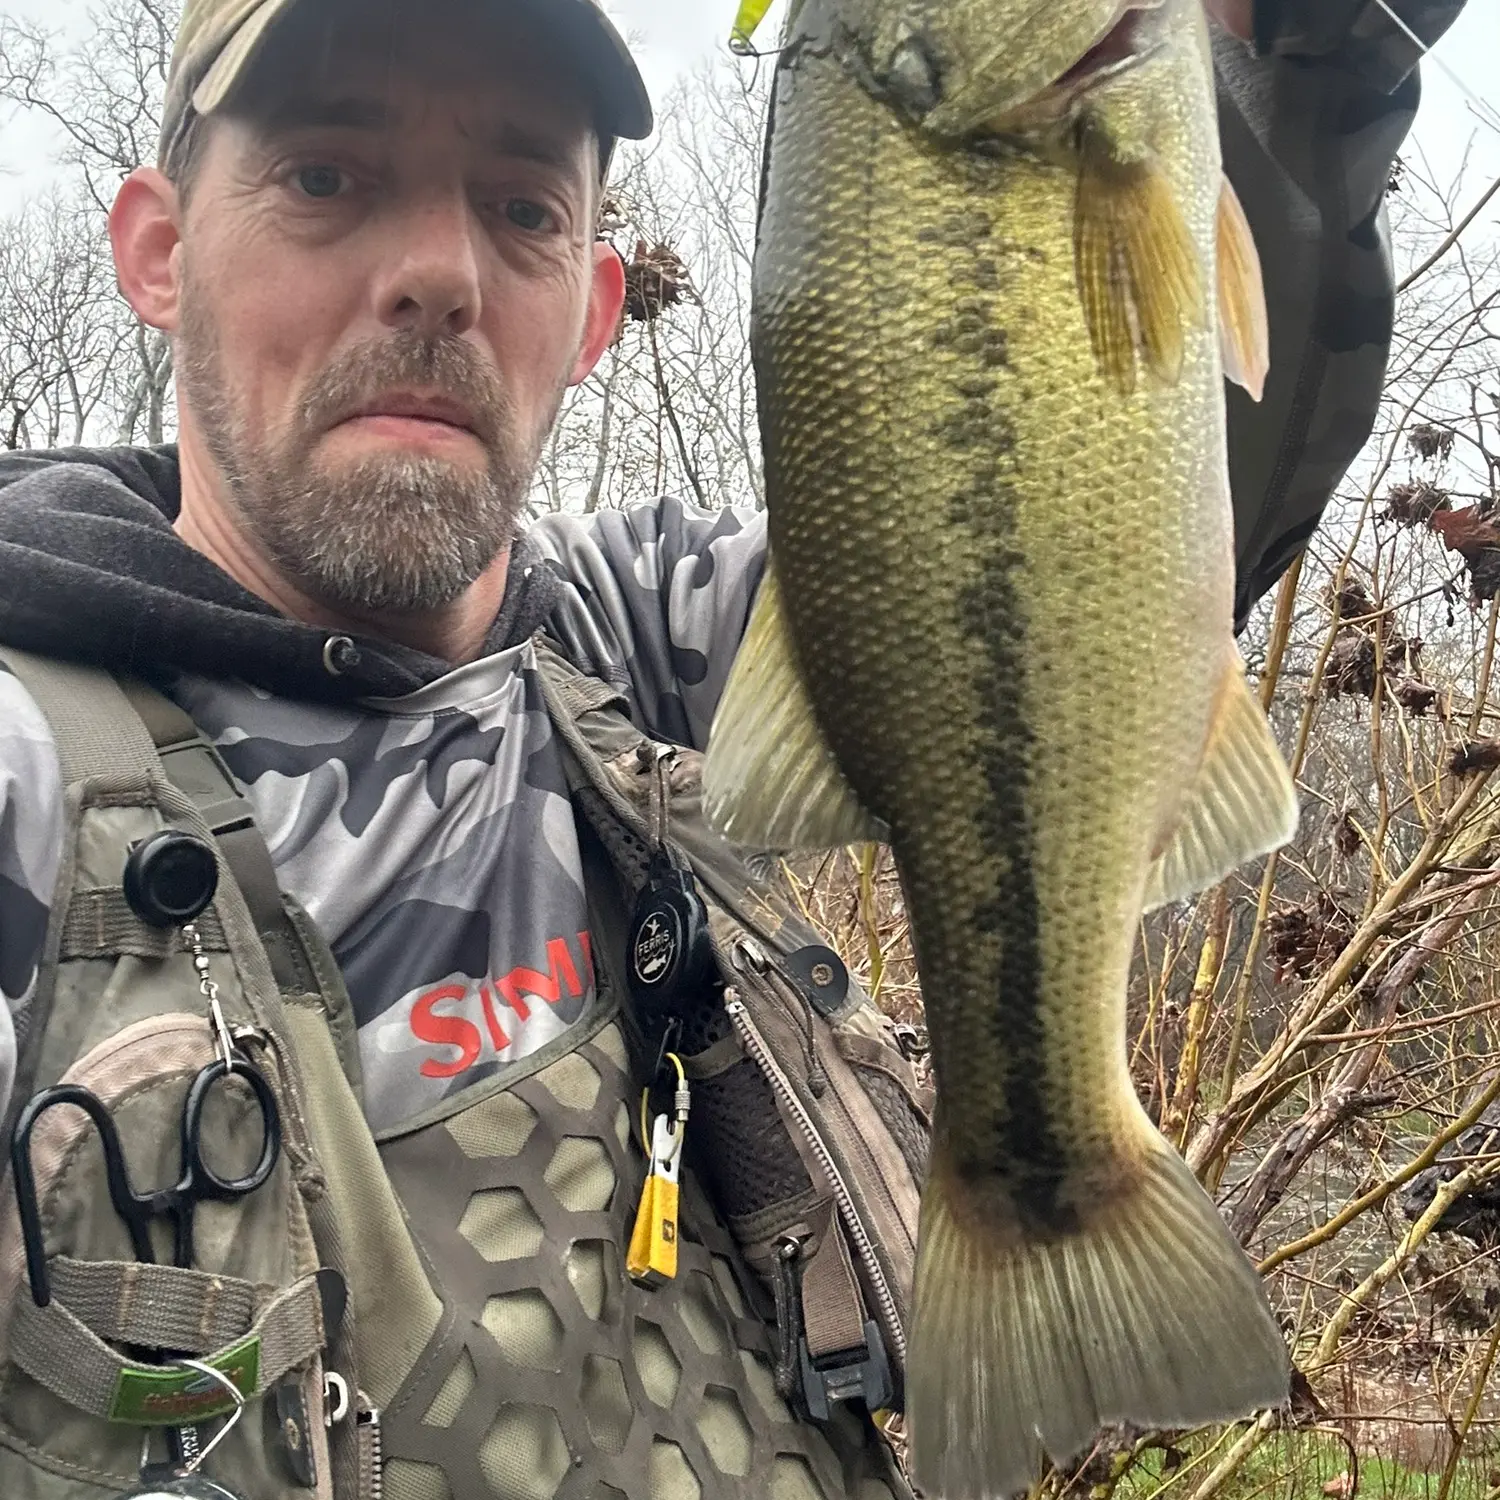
387	533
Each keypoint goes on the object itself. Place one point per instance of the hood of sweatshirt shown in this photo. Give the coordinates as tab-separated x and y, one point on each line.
91	570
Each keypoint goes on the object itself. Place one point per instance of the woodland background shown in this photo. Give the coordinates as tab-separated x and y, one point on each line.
1320	1034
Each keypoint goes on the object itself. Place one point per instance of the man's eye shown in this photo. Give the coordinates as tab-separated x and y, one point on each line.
525	214
320	181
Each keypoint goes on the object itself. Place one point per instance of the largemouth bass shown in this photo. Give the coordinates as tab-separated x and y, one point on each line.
996	262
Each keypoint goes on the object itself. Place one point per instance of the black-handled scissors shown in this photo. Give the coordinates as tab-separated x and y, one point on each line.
199	1182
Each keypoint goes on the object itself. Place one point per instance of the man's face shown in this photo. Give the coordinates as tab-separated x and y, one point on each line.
386	271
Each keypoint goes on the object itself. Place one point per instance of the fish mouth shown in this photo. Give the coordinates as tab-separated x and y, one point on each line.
1130	39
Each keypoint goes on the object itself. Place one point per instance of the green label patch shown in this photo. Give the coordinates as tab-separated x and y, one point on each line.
170	1396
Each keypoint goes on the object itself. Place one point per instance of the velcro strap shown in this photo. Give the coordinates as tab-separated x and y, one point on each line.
578	692
100	923
833	1315
157	1307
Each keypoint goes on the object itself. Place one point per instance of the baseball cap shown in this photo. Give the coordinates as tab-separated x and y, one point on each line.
219	40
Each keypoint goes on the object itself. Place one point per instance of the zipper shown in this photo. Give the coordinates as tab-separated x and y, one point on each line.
367	1427
798	1012
754	1043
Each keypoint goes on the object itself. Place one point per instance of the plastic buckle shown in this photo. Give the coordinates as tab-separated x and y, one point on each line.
859	1374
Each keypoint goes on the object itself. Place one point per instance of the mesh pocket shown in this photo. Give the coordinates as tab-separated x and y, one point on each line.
741	1147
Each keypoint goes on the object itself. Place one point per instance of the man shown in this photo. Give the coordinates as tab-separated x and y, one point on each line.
371	242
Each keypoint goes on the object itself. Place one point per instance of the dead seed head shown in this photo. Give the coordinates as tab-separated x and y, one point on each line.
1427	441
1414	504
1476	755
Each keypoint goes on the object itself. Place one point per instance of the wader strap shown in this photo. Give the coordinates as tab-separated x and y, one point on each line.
833	1319
164	1307
96	730
197	770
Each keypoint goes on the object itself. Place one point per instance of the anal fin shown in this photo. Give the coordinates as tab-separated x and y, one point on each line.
1244	329
769	778
1242	803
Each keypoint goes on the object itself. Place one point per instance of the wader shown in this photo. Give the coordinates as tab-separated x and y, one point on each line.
442	1312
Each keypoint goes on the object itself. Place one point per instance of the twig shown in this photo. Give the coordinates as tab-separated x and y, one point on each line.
1470	1412
1451	239
1445	1197
1379	1193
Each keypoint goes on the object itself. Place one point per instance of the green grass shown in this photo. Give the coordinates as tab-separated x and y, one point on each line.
1296	1466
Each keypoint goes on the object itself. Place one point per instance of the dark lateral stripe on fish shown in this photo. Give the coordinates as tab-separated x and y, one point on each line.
991	615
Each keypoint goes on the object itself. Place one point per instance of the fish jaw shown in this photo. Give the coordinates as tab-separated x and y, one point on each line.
964	71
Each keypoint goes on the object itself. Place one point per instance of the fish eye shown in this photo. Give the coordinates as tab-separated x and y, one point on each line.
912	77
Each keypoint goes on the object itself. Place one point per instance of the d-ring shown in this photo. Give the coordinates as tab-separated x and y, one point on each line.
234	1416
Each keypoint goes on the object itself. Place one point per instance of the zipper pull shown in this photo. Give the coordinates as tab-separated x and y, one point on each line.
787	1292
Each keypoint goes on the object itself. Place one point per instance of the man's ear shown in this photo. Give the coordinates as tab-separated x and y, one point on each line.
606	298
145	233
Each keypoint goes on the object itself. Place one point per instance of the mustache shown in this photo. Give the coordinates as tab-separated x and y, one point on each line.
445	366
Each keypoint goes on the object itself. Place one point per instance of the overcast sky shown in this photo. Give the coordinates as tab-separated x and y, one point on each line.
671	36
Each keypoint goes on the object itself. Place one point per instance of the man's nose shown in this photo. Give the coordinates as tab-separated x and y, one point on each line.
432	284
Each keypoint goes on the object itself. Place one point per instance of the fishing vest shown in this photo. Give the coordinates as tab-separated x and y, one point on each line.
443	1312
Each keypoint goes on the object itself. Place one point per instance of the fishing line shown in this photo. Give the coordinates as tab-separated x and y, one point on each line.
1486	111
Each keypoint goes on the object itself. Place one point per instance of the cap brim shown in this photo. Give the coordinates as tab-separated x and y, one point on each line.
586	35
590	39
226	70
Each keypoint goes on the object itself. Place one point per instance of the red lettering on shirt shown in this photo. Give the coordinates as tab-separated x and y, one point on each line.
445	1031
491	1020
562	977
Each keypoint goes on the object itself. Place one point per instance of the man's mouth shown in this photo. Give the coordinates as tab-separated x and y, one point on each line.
436	412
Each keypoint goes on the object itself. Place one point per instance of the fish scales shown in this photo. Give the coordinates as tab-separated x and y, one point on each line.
1002	590
1026	535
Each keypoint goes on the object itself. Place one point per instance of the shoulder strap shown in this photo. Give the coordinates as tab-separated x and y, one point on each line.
197	770
96	730
301	960
831	1347
108	726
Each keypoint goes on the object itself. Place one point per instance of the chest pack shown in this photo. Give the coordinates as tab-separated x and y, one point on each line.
442	1311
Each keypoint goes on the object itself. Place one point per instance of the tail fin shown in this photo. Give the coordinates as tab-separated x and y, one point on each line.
1151	1315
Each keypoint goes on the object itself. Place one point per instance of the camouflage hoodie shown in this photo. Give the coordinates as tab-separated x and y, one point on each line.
418	813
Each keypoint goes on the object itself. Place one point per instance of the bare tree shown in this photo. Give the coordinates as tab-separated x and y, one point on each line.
69	342
74	362
672	404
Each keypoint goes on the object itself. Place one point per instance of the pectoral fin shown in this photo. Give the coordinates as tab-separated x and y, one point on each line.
1137	267
1243	802
1244	330
769	778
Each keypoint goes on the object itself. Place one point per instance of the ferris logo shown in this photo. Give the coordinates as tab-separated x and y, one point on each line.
518	989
